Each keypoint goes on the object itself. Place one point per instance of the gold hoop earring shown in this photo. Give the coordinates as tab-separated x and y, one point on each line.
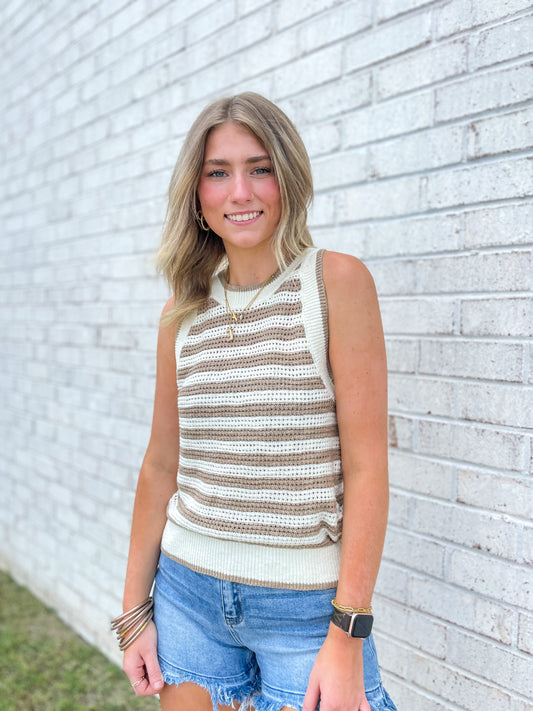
202	222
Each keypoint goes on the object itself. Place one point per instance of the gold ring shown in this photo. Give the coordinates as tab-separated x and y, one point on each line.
135	684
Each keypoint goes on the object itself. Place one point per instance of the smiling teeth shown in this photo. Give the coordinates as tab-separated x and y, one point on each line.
243	217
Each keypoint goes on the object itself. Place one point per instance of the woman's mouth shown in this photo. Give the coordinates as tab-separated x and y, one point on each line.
243	216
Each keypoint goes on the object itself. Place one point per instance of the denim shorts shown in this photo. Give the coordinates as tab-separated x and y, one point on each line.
245	643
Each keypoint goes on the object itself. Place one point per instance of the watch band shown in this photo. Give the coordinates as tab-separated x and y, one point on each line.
354	624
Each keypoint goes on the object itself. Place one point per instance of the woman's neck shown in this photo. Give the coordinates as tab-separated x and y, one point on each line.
247	269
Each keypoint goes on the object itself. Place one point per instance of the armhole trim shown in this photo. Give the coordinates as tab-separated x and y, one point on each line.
322	295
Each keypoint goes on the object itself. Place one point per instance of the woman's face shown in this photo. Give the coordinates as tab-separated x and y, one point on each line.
238	192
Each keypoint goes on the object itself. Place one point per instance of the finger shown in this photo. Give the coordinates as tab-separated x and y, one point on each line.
139	685
311	696
153	672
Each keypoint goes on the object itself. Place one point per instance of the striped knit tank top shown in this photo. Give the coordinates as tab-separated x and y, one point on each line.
259	496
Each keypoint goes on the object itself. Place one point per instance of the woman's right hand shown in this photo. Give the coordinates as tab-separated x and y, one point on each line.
141	664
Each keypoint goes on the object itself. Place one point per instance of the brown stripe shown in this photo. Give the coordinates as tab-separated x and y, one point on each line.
258	313
252	385
292	333
261	359
267	409
280	483
259	435
208	304
295	459
293	284
259	529
275	508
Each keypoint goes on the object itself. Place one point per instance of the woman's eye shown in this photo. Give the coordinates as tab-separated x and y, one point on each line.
263	171
216	174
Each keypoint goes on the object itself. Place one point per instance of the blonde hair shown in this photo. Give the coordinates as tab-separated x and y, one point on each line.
188	256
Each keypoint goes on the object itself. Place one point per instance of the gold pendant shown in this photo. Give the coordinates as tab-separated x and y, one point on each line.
230	335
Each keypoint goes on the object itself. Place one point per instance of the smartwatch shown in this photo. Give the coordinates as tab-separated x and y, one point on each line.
354	624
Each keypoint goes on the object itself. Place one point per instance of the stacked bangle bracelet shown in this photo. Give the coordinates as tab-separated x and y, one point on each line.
351	610
130	624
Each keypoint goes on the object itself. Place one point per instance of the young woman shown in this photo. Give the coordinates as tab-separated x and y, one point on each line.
271	367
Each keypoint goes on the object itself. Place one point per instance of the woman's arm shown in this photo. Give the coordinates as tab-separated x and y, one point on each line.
358	362
156	484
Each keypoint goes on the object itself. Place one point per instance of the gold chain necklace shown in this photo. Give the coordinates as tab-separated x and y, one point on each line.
234	318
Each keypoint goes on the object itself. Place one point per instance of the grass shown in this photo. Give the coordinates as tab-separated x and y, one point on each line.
45	666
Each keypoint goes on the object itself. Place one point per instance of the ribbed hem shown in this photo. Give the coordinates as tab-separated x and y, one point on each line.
267	566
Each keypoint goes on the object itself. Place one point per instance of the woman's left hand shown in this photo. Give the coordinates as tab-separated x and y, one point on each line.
337	676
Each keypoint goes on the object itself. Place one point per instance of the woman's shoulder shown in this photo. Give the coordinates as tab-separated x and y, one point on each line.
343	274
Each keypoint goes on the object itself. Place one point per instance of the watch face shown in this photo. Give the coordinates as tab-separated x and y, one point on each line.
362	626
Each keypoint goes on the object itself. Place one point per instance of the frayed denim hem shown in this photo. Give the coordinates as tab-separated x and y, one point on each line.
225	696
379	700
261	704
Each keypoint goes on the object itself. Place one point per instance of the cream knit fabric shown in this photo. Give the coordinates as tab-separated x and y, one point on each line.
259	495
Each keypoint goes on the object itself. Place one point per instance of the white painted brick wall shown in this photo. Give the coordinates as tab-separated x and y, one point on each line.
418	118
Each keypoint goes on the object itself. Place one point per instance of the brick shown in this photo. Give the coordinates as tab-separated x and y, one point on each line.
457	16
421	475
412	316
478	93
506	224
415	552
399	196
276	51
412	394
409	697
522	705
492	533
332	99
401	431
468	443
289	13
458	687
323	211
232	37
349	239
244	7
317	68
393	581
340	22
387	41
500	271
478	360
498	404
505	316
525	633
501	134
387	9
394	276
320	139
509	40
480	183
502	667
399	505
489	576
330	172
417	152
416	629
422	68
414	235
462	608
402	354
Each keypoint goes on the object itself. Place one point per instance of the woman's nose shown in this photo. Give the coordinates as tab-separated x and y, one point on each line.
240	190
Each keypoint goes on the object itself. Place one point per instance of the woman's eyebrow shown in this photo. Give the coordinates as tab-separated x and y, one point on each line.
223	161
